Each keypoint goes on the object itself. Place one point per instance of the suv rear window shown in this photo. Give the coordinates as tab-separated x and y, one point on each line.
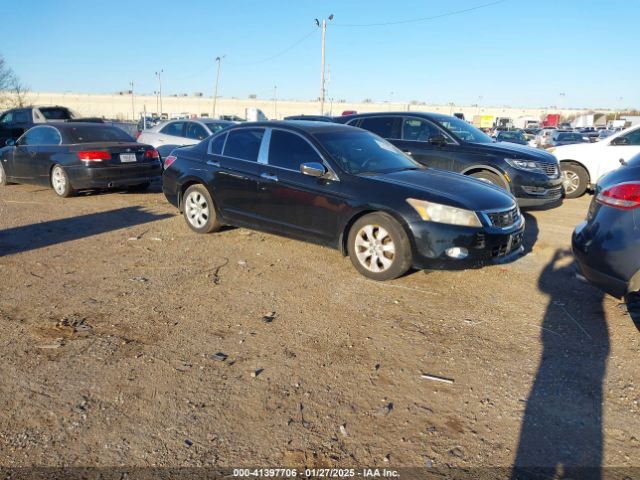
56	113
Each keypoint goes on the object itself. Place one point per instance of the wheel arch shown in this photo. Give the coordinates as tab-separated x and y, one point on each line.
486	168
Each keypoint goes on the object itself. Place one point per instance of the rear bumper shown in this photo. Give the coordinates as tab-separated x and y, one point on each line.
483	245
83	177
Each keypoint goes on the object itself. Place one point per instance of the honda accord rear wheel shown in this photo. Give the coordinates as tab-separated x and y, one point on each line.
378	247
199	210
60	182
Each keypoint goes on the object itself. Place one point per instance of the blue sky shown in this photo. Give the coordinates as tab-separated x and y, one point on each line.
516	52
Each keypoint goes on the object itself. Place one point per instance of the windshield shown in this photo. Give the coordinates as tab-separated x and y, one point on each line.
569	136
463	130
215	127
511	136
85	134
360	152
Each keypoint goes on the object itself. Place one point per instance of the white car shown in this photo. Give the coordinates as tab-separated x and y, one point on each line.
178	133
583	164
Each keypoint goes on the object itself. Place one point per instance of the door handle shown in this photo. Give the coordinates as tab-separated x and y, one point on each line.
408	152
269	176
213	164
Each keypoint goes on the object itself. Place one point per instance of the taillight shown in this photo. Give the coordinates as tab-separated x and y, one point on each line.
169	161
152	154
624	195
94	156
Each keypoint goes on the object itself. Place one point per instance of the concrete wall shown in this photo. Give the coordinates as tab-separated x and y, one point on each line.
119	106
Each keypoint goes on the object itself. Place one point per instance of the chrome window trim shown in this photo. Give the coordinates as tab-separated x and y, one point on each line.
209	152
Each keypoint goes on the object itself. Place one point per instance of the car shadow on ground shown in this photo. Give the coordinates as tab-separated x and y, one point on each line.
561	434
45	234
632	301
531	232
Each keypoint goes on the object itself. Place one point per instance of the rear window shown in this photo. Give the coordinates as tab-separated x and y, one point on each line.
86	134
56	113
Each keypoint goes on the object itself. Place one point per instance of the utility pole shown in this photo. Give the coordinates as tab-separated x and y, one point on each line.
275	102
159	75
324	33
133	108
215	90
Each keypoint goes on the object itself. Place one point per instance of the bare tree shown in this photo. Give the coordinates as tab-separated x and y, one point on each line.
13	93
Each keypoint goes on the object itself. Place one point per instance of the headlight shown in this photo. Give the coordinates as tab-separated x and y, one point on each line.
551	150
528	165
436	212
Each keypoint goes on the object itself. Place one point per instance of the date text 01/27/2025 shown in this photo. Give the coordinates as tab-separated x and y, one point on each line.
315	473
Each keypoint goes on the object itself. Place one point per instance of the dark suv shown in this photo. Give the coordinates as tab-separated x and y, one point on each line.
440	141
14	122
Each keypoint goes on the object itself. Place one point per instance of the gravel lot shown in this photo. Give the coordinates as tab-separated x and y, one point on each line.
111	312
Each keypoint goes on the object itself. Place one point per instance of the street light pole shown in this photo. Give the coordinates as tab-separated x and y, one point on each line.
324	33
215	90
133	108
275	102
159	75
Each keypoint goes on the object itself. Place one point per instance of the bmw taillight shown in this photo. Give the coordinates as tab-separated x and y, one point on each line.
94	156
152	154
169	161
624	195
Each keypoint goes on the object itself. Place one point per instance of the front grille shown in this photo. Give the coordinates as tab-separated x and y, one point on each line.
551	169
505	218
506	248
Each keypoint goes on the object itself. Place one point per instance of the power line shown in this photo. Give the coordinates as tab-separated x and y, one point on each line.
290	47
422	19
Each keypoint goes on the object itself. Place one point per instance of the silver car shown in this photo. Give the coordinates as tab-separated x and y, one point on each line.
177	133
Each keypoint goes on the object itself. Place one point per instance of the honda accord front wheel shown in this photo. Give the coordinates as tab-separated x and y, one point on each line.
378	247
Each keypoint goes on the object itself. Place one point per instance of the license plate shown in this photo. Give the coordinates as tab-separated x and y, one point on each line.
515	241
127	157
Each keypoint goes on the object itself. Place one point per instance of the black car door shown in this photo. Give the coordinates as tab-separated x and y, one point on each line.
426	143
294	203
235	183
24	156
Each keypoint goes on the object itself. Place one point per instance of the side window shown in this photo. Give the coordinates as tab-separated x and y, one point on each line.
386	127
32	137
196	131
50	136
418	130
7	118
244	143
21	117
287	150
173	128
632	138
215	147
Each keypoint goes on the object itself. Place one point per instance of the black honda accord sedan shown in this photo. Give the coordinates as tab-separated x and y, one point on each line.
607	246
78	156
533	176
346	188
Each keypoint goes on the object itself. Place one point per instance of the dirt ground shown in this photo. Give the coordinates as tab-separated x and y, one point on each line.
112	311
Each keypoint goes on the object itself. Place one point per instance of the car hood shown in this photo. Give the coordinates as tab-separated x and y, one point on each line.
447	188
513	150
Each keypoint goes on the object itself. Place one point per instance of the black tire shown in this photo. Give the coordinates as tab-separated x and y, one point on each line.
3	177
370	254
576	179
490	177
60	182
141	187
199	210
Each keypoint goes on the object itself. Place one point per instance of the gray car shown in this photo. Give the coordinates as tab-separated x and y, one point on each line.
177	133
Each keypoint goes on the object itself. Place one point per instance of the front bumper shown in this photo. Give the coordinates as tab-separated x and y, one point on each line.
485	245
84	177
536	189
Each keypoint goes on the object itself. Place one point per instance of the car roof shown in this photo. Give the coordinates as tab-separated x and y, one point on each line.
427	115
308	126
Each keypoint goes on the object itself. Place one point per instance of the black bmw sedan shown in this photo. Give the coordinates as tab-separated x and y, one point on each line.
78	156
440	141
345	188
607	246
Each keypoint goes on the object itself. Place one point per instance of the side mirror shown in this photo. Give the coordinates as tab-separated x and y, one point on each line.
619	141
313	169
10	142
439	140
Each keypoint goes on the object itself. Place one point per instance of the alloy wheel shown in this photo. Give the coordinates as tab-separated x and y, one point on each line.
58	180
197	209
571	181
374	248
